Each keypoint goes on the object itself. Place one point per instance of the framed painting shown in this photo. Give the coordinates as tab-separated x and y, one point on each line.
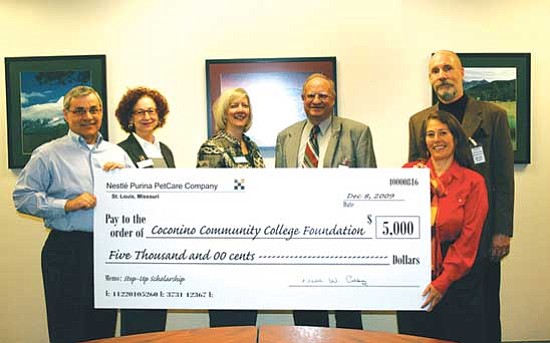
505	80
35	87
274	86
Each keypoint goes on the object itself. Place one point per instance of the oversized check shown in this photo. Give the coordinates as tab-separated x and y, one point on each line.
262	239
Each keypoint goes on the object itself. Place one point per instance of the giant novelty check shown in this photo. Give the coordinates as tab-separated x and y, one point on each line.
262	239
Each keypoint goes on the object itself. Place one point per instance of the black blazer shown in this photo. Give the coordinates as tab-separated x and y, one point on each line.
134	150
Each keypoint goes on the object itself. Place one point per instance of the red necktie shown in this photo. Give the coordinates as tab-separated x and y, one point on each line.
311	156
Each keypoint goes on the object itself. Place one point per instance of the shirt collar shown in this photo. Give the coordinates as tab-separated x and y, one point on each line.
226	135
323	126
454	172
145	143
80	140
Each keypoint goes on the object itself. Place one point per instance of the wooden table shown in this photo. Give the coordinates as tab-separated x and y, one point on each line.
303	334
269	334
236	334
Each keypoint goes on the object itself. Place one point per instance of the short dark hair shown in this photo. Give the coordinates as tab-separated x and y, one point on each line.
462	154
126	105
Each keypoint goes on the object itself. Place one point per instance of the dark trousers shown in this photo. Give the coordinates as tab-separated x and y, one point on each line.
67	273
133	322
492	302
220	318
458	317
344	319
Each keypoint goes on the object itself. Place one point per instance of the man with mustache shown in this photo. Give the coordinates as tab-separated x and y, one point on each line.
324	141
487	127
57	185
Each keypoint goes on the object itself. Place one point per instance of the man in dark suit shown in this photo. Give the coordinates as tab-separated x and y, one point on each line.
487	127
324	141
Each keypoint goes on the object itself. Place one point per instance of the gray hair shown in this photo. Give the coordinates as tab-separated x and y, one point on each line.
77	92
319	76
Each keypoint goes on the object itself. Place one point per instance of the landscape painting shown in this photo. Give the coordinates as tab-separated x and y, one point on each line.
505	80
42	103
35	87
496	85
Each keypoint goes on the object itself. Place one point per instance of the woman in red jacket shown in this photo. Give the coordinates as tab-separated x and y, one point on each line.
453	300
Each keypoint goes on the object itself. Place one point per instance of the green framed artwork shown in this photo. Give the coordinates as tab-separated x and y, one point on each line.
505	80
35	87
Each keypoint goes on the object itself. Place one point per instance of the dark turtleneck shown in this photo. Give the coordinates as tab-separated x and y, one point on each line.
456	108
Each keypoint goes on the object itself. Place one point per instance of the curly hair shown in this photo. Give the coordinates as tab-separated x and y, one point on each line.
125	109
462	154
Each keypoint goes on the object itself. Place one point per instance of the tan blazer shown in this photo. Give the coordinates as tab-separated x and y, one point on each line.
487	124
350	144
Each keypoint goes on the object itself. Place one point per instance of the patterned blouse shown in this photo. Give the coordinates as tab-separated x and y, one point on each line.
224	151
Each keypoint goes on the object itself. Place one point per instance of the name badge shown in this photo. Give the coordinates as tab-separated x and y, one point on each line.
478	155
148	163
345	163
240	159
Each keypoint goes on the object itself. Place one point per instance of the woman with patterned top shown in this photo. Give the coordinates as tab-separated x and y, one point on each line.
453	299
231	148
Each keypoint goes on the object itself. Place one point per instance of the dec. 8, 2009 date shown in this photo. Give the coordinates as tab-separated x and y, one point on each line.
352	198
369	196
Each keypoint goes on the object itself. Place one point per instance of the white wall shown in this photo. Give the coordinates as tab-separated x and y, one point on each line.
382	48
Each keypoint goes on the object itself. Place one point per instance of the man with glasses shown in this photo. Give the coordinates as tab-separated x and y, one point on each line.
56	185
324	141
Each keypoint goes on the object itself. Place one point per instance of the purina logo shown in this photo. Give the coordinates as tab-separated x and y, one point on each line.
239	185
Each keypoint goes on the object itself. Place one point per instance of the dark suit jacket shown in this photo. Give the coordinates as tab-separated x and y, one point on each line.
487	124
134	150
350	144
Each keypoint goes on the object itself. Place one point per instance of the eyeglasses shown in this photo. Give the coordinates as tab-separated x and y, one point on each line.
81	111
149	111
322	96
